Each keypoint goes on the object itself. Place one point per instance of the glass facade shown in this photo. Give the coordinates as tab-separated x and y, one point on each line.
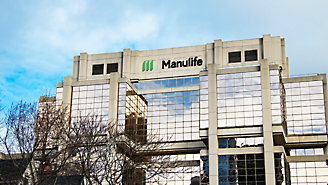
203	101
281	167
90	100
276	97
239	99
306	151
169	117
241	169
309	173
132	113
174	116
305	108
240	142
167	83
179	175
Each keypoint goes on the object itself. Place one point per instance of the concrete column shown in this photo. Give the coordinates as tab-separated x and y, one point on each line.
67	92
76	66
218	53
325	97
83	68
209	54
67	96
267	48
287	64
285	71
135	67
126	65
267	123
212	126
113	97
276	50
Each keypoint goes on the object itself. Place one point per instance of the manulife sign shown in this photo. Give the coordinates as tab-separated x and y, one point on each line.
148	65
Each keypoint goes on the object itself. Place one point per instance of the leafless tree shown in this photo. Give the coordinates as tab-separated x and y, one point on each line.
112	156
36	133
87	146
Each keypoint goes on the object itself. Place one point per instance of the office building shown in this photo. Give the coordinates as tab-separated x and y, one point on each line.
230	107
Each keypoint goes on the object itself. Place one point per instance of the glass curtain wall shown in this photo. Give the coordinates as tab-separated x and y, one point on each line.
169	83
241	142
305	108
275	97
281	169
174	116
239	99
241	169
90	100
132	113
180	175
309	173
203	101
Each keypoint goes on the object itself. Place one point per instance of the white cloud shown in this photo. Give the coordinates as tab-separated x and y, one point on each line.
40	38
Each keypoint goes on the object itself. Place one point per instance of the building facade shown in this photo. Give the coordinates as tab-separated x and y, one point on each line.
231	108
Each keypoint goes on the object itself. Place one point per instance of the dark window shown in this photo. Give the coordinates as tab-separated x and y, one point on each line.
234	56
98	69
251	55
112	68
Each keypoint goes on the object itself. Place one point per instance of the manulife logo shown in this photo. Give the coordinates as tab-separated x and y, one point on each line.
148	65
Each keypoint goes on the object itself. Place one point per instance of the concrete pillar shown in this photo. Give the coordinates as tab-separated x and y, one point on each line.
267	47
285	71
126	65
276	53
67	92
287	66
113	97
267	123
218	53
76	63
67	96
212	126
209	54
83	68
325	97
135	67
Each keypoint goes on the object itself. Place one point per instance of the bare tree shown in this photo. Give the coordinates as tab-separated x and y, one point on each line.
36	133
100	151
108	155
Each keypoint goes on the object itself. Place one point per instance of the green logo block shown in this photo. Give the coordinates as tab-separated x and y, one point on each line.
146	67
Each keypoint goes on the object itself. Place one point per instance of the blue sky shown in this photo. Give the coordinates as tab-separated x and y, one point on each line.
38	39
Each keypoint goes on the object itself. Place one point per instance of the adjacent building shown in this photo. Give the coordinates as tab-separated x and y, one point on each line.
229	108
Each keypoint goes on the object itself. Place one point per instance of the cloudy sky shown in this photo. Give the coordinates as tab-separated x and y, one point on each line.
38	38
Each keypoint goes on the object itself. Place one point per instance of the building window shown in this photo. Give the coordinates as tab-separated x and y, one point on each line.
98	69
241	142
241	169
251	55
234	56
156	84
239	99
306	151
308	172
112	68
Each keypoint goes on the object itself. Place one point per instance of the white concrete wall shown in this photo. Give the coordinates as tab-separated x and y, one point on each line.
271	48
